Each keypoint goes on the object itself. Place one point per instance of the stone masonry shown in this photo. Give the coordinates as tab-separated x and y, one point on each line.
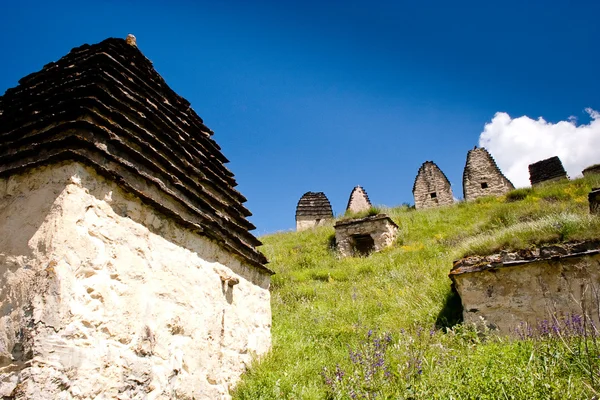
529	286
362	236
482	177
547	170
431	187
127	268
594	200
358	201
591	170
313	210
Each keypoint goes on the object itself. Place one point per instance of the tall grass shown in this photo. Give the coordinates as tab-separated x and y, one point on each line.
323	305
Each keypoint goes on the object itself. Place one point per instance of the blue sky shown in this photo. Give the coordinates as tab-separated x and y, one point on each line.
323	96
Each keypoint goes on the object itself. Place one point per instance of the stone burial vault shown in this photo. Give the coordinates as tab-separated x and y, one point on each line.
531	286
362	236
482	177
313	210
126	263
548	170
431	187
358	201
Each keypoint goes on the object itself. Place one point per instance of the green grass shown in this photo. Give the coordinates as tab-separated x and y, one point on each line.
323	305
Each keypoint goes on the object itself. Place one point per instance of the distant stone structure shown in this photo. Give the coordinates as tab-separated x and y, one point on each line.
591	170
363	236
529	286
431	187
128	270
548	170
358	201
482	177
313	210
594	200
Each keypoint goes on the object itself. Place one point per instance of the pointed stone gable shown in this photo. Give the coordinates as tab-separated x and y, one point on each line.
482	177
550	169
105	106
431	187
358	201
312	210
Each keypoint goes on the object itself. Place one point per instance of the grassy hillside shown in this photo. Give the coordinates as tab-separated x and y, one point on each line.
386	325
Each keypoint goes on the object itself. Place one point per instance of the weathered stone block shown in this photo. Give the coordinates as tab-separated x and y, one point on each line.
313	210
530	286
363	236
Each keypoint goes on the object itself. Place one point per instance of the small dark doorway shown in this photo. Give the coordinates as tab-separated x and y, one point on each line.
433	195
484	185
363	244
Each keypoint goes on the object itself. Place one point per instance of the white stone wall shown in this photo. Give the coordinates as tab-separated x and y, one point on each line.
531	292
304	224
103	298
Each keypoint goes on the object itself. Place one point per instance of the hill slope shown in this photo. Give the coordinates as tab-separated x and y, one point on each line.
389	320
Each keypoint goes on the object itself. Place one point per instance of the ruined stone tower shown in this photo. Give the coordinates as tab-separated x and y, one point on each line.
313	210
482	177
127	266
548	170
431	187
358	201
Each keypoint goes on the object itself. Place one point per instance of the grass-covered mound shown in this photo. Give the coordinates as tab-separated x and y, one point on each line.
387	325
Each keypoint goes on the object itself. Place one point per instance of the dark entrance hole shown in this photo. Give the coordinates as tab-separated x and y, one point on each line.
484	185
363	244
433	195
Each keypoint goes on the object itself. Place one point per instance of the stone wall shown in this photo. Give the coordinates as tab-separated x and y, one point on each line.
529	286
431	187
547	170
591	170
104	298
358	201
350	235
482	177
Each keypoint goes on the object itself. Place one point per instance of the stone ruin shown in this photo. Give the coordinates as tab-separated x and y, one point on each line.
358	201
362	236
591	170
529	286
594	200
547	170
313	210
482	177
127	264
431	187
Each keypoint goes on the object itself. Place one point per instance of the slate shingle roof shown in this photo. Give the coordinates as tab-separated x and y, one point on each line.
105	106
314	205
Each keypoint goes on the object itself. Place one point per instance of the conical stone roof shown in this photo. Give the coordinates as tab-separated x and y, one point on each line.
482	177
313	205
105	106
359	200
431	187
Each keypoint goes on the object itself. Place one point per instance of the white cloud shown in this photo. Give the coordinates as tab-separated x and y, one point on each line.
517	142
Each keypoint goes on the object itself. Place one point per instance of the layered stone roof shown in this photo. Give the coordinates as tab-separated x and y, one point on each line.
313	205
482	177
105	106
546	170
359	200
431	187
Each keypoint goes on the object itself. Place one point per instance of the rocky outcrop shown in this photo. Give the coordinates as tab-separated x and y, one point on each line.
482	177
431	187
548	170
313	210
358	201
526	287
